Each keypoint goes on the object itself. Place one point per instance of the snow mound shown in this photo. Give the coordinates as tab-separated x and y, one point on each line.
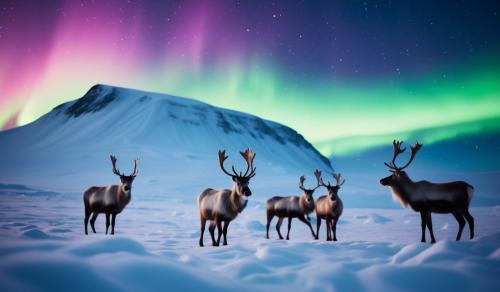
37	234
496	210
73	270
123	264
112	245
255	225
374	219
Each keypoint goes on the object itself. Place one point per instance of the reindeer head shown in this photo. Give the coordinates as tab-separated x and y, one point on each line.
308	193
126	180
397	172
240	180
333	189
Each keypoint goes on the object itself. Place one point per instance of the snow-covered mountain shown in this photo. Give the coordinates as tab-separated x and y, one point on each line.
175	138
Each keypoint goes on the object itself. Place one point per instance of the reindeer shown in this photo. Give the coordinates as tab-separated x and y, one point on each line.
224	205
110	200
426	197
330	208
292	207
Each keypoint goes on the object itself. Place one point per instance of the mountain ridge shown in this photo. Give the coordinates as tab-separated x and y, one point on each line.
110	119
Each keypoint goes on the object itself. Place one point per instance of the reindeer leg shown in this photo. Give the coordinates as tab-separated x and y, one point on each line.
113	220
86	221
461	224
92	221
429	226
334	228
423	224
278	226
211	229
328	230
107	222
226	225
303	219
219	231
470	221
270	217
289	227
318	225
331	229
202	229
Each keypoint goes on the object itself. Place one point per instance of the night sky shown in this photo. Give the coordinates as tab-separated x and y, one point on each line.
330	70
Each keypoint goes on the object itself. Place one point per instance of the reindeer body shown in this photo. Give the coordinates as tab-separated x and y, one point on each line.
423	196
426	197
329	208
291	207
330	212
223	206
110	200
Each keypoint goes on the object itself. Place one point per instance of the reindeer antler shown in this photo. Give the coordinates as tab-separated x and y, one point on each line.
222	158
413	151
317	174
249	156
337	178
113	162
301	184
398	150
136	165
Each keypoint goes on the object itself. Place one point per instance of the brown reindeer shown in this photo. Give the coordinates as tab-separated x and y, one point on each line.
329	208
426	197
110	200
292	207
222	206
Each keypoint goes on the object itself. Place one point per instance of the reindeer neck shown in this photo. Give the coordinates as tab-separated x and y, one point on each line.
329	201
123	196
308	207
403	190
236	203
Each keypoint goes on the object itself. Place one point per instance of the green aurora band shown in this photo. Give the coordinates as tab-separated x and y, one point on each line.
338	117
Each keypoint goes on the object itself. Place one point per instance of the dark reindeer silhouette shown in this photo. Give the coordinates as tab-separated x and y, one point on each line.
329	208
110	200
292	207
426	197
224	205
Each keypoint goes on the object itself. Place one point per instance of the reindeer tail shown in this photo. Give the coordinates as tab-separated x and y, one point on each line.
470	193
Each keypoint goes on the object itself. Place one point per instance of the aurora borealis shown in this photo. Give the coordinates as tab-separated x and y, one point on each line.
335	71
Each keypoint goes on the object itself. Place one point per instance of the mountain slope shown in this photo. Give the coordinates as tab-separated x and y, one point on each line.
176	139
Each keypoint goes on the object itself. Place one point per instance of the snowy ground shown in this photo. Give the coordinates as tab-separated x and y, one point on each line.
43	248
